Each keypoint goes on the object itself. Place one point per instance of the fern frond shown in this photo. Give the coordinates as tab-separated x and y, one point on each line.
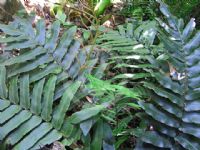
39	86
130	49
174	110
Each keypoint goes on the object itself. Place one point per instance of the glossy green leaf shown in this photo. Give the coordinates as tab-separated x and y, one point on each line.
101	6
9	113
13	90
51	43
10	30
33	137
152	137
86	114
47	102
25	57
65	41
48	139
190	129
36	101
98	136
86	126
132	76
185	143
14	123
24	129
69	57
59	114
30	66
67	128
159	116
22	45
40	37
161	92
3	87
24	91
50	69
4	104
189	29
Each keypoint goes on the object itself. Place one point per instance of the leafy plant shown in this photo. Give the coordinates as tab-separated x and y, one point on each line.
119	101
182	8
139	9
131	49
42	83
173	111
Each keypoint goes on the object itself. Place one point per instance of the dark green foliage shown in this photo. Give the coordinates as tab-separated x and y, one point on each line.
153	67
174	109
130	49
40	85
182	8
139	9
172	120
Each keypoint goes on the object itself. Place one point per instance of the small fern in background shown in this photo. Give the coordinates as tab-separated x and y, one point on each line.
139	9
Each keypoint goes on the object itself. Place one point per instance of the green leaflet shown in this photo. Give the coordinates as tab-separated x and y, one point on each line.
51	42
67	127
8	113
48	98
65	42
3	87
50	69
13	90
3	104
173	110
187	32
168	83
22	45
159	116
186	143
48	139
12	39
59	114
24	129
10	30
33	137
36	101
152	137
27	56
86	126
24	91
40	37
14	123
172	97
98	136
86	114
23	68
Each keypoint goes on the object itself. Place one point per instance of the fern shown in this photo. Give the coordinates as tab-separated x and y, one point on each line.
174	109
40	85
139	9
130	47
